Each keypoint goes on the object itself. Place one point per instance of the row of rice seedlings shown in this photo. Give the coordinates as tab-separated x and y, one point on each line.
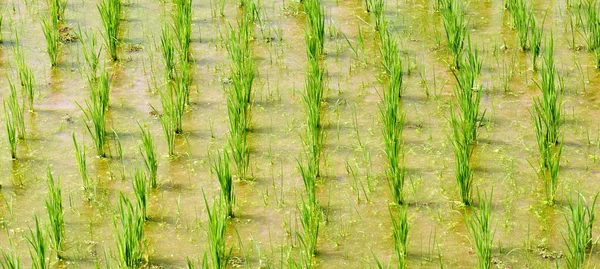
80	157
148	155
217	221
453	17
39	246
55	210
580	222
140	189
110	14
547	118
466	120
400	228
50	29
393	124
182	20
129	234
15	123
480	225
95	114
222	167
240	95
24	73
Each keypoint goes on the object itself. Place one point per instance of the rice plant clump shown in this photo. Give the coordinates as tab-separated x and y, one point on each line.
10	259
400	228
95	117
14	116
91	52
55	213
310	219
182	20
148	155
81	164
50	29
580	221
129	232
24	72
535	42
520	12
39	246
140	189
547	118
453	17
315	34
217	220
16	110
58	7
480	225
221	166
110	13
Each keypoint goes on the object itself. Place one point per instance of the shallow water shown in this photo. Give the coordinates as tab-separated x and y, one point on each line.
528	232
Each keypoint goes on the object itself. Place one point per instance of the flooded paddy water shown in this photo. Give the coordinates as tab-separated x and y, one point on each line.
352	189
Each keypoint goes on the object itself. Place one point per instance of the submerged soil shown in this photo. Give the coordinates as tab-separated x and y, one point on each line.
356	223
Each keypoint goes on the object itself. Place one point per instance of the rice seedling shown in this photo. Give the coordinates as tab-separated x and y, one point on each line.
184	80
535	41
39	246
462	152
388	48
480	225
50	29
591	29
310	218
140	184
57	8
520	21
55	212
182	21
221	167
468	94
309	178
456	29
26	77
119	147
400	228
147	152
393	123
110	12
377	7
129	232
102	90
580	220
81	163
166	120
167	49
95	113
91	51
16	110
11	131
10	260
217	218
315	34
